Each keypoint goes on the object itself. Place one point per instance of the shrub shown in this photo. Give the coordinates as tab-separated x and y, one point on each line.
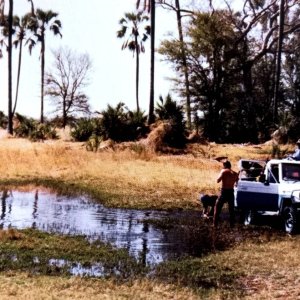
24	126
169	110
30	128
43	132
120	124
84	128
3	120
93	143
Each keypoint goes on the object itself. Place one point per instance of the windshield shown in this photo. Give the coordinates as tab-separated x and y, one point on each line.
291	172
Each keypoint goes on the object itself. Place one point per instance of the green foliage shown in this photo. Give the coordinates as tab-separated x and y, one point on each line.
84	128
25	126
231	82
131	31
30	128
120	124
169	110
3	120
42	132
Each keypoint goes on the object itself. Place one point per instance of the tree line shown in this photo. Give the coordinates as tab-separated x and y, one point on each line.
31	29
243	68
236	67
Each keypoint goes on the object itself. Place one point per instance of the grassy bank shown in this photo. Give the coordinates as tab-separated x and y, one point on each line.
263	266
119	179
25	271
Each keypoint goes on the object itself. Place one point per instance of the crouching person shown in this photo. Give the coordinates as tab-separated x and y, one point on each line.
208	203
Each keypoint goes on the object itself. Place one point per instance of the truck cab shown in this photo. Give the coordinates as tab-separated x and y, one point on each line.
269	187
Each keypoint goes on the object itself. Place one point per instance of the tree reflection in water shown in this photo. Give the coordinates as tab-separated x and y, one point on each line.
151	236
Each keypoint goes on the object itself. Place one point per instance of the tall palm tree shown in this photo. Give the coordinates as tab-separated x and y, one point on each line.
41	21
20	26
135	42
9	48
149	5
10	32
6	21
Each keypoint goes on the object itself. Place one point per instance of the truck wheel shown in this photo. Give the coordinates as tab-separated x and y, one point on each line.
289	216
249	217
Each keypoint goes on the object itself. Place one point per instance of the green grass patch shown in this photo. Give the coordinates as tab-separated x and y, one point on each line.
31	250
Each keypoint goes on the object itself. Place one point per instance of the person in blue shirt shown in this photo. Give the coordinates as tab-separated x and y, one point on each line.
296	154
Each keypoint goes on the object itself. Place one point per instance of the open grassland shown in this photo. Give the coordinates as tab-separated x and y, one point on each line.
255	263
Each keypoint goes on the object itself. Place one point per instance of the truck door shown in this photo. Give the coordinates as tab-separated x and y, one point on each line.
259	196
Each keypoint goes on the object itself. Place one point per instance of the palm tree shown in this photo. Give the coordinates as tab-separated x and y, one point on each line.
20	26
10	32
135	42
9	48
149	5
40	22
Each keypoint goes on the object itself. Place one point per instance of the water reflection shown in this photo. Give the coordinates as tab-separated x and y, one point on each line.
130	229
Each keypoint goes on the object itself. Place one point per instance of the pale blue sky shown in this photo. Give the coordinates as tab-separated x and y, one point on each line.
91	29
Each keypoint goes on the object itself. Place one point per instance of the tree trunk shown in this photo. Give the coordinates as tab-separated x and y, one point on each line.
64	113
151	101
137	74
278	63
10	33
185	66
42	77
18	77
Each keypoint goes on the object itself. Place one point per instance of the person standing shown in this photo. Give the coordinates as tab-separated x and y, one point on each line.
228	178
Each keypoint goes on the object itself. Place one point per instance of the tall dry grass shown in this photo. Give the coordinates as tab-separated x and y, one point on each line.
128	178
18	286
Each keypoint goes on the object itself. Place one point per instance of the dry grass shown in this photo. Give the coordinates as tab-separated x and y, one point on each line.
271	269
131	179
23	286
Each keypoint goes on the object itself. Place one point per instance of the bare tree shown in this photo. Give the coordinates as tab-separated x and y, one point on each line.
65	83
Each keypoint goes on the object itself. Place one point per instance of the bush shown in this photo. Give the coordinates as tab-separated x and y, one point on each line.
43	132
84	128
3	120
169	110
120	124
30	128
93	143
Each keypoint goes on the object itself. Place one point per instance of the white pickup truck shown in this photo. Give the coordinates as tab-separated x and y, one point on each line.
271	187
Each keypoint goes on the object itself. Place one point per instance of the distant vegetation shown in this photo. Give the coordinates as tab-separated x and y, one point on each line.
236	71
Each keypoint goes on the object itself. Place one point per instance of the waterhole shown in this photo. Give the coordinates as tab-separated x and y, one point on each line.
149	235
153	236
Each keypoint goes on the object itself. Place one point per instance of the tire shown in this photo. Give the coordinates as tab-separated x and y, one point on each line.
249	217
289	217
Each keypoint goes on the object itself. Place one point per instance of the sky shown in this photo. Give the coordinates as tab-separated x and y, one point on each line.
91	29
